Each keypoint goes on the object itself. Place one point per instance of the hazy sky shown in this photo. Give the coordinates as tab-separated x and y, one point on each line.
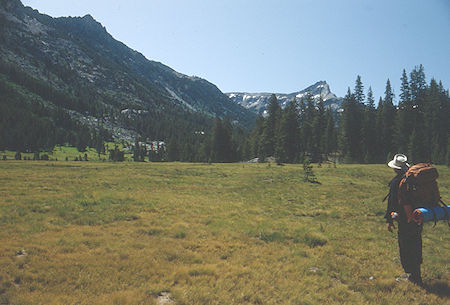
279	46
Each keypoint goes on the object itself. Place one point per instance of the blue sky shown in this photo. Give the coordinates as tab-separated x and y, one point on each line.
279	46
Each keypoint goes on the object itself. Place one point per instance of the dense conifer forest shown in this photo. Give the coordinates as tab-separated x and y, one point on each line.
418	125
35	117
68	82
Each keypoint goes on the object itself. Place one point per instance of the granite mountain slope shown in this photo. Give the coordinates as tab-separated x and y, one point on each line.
100	78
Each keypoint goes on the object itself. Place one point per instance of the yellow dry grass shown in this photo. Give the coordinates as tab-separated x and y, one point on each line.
123	233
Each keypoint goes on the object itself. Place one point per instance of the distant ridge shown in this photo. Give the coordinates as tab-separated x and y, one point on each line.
258	102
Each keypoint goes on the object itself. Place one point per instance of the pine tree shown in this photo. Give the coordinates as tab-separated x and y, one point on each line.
417	84
307	117
418	136
405	119
436	122
173	150
269	134
217	141
388	121
287	146
139	152
369	131
83	139
302	119
415	153
309	175
351	124
379	140
229	151
345	126
115	155
221	143
444	123
330	136
359	90
318	126
255	138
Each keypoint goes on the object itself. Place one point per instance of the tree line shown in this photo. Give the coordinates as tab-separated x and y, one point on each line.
34	117
361	133
417	126
220	143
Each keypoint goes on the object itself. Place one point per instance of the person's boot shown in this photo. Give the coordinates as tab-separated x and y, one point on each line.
416	277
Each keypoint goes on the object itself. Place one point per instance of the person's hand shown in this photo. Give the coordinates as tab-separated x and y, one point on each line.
391	227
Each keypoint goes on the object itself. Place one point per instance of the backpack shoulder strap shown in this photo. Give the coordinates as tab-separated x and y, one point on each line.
444	206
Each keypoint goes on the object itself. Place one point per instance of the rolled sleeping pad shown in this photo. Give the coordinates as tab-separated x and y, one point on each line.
431	214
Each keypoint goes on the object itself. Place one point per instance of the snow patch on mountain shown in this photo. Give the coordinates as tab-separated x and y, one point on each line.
258	102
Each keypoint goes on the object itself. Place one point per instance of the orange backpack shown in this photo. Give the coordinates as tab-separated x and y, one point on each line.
419	188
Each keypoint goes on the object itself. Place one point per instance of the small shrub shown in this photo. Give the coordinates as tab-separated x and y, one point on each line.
309	174
180	234
312	240
201	271
271	237
150	232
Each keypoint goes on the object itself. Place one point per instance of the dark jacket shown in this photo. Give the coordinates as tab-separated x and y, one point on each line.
392	203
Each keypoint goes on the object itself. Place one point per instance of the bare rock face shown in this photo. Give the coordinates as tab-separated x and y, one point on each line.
258	102
10	5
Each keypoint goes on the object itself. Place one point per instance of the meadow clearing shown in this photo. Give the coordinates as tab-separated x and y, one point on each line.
129	233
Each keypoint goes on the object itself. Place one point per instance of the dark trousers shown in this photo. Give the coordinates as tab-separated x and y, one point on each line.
410	245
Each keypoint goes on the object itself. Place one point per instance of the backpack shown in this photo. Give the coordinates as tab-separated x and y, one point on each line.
419	189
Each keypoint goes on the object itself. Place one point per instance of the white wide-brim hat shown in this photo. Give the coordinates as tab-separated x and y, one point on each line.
398	162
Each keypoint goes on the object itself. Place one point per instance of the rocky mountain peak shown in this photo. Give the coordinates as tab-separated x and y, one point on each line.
88	19
10	5
258	102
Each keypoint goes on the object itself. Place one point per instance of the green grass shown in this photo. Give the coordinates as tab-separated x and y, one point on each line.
122	233
61	153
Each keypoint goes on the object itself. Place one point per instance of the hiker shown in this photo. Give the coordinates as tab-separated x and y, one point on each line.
409	232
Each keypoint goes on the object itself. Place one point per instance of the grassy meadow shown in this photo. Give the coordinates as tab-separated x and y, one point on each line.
61	153
128	233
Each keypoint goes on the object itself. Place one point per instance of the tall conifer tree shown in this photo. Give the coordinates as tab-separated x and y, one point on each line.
330	143
388	121
369	131
359	90
271	123
319	125
287	148
405	120
417	94
351	128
